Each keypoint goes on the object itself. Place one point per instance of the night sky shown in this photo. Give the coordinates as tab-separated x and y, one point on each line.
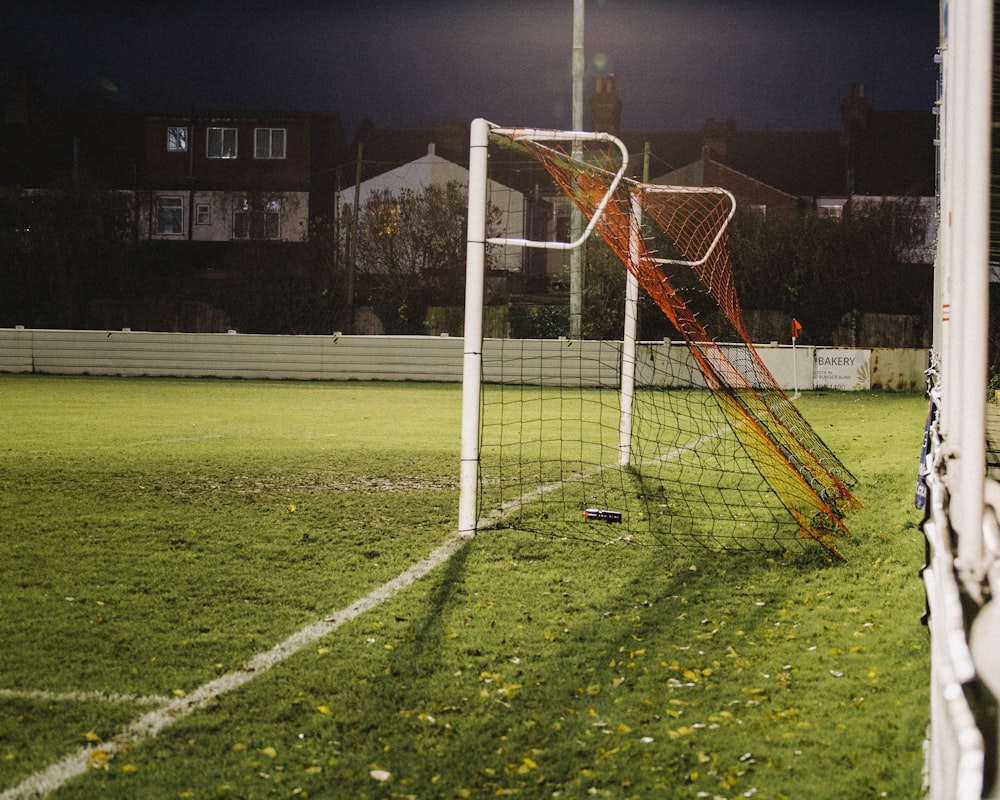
767	64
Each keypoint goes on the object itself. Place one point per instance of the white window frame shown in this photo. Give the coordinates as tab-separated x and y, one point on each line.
221	143
269	143
203	214
177	139
248	221
169	207
830	207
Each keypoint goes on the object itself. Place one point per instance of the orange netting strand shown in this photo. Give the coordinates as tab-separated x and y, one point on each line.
807	477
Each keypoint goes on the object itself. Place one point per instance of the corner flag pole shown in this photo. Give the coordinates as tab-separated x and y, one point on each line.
796	330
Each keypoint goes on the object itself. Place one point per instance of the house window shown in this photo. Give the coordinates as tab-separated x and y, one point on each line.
221	143
202	214
177	139
269	143
830	207
257	220
170	215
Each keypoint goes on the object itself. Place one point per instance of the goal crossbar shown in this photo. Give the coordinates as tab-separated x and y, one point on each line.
547	135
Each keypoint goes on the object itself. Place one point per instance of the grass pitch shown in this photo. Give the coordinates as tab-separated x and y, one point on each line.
157	534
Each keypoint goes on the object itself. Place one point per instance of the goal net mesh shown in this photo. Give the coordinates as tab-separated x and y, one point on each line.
718	457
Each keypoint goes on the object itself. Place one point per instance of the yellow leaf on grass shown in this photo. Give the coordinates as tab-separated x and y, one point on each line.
323	709
91	736
270	752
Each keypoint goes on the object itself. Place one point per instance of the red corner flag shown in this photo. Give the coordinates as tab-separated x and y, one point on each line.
796	328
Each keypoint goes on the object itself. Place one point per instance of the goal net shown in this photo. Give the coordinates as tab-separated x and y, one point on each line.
689	443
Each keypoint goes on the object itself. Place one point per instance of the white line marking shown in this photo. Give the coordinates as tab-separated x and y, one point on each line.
84	697
151	723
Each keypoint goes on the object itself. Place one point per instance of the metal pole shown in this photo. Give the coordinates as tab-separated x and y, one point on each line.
631	327
576	216
353	254
472	346
969	218
795	369
629	338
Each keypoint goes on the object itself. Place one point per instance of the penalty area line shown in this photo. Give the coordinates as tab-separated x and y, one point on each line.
150	724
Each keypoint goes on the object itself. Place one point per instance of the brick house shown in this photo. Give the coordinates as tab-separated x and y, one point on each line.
226	179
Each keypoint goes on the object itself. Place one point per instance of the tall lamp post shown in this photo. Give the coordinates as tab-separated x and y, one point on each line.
576	216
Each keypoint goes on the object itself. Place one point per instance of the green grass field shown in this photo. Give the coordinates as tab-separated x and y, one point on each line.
160	534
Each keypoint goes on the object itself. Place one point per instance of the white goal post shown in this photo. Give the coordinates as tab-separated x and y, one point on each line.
962	529
629	203
472	350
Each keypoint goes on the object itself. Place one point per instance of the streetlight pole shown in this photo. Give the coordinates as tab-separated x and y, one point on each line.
576	216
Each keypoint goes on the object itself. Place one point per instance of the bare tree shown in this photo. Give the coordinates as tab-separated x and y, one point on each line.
410	253
820	268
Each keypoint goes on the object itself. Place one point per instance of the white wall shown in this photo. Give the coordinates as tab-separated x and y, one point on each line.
416	358
293	226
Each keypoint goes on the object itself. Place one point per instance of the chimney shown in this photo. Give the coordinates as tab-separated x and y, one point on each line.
855	113
855	110
606	107
718	138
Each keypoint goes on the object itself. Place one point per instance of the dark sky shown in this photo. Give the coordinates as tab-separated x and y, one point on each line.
767	64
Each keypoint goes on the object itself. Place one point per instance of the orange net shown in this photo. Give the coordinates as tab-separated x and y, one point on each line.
670	239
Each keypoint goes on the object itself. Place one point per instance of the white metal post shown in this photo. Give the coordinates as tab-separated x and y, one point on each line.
970	59
576	216
956	758
472	346
628	339
795	369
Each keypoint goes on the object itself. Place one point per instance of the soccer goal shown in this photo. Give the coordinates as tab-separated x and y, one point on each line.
961	498
689	443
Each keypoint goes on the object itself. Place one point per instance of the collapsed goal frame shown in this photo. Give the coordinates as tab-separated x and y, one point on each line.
757	416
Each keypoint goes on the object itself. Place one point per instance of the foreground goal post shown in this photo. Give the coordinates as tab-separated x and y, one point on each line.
962	524
701	447
474	294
